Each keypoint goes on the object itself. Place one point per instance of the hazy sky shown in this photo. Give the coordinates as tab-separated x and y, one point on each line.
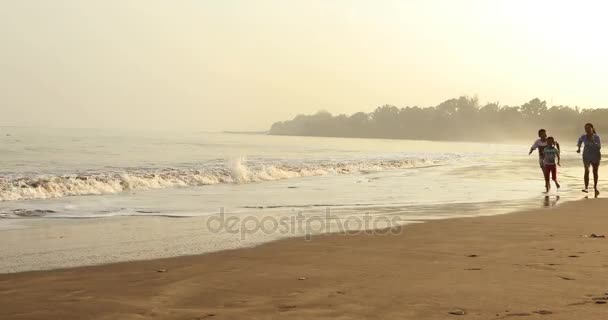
241	65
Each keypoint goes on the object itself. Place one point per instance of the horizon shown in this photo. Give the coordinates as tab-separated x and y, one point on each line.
268	129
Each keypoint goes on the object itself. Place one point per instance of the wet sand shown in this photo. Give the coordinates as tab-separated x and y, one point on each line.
529	265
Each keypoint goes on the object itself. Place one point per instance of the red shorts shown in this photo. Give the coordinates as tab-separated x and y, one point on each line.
550	169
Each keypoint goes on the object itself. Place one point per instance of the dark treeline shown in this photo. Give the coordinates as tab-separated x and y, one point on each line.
461	119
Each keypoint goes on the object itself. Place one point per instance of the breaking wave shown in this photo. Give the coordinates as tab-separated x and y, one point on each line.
236	171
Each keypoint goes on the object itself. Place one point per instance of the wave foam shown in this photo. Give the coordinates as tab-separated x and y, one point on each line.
237	171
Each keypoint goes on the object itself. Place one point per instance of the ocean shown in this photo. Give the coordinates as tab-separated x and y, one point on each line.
78	173
54	177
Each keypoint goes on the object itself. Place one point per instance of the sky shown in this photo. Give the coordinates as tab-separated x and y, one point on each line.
240	65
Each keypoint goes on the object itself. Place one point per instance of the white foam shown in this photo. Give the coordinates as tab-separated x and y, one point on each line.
236	171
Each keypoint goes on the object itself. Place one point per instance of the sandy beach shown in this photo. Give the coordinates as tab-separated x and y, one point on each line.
533	264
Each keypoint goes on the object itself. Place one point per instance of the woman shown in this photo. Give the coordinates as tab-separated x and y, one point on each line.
591	155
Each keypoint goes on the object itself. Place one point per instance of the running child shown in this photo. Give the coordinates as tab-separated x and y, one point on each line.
551	160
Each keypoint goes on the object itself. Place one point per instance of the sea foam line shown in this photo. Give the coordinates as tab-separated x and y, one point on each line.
236	171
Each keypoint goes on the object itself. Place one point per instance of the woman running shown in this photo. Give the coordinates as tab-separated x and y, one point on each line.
591	155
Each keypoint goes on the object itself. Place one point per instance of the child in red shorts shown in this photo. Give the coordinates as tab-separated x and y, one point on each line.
550	162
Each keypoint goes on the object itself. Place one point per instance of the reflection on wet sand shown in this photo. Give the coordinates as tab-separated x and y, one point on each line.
550	202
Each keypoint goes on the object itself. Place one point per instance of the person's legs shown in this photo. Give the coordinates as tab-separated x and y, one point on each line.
554	175
586	176
543	169
596	167
547	172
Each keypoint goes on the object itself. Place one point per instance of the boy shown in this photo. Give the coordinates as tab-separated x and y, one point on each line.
551	154
540	144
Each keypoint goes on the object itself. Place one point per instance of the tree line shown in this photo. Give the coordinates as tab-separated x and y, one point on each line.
459	119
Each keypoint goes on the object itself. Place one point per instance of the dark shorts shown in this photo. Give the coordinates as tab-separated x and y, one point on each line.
588	163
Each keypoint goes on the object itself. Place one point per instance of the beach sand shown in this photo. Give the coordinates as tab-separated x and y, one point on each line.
530	265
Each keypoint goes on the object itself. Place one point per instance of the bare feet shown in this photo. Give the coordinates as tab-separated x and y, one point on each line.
557	184
597	193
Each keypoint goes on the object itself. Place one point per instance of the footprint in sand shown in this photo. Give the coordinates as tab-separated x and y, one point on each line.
284	308
539	267
519	314
457	312
600	300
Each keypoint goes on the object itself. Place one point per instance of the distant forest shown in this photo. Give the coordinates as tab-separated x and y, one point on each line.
461	119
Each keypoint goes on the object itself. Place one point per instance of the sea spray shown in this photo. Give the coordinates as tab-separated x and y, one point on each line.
239	171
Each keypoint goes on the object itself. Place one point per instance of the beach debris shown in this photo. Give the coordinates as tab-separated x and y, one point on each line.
161	270
601	302
543	312
302	278
472	256
473	269
519	314
550	249
457	312
566	278
573	256
340	292
594	235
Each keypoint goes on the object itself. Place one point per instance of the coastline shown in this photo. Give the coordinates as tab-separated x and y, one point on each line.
532	263
60	243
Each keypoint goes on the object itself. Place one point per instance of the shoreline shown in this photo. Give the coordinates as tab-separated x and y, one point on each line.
530	263
61	243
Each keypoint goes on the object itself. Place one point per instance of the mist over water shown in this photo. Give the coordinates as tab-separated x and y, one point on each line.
457	119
